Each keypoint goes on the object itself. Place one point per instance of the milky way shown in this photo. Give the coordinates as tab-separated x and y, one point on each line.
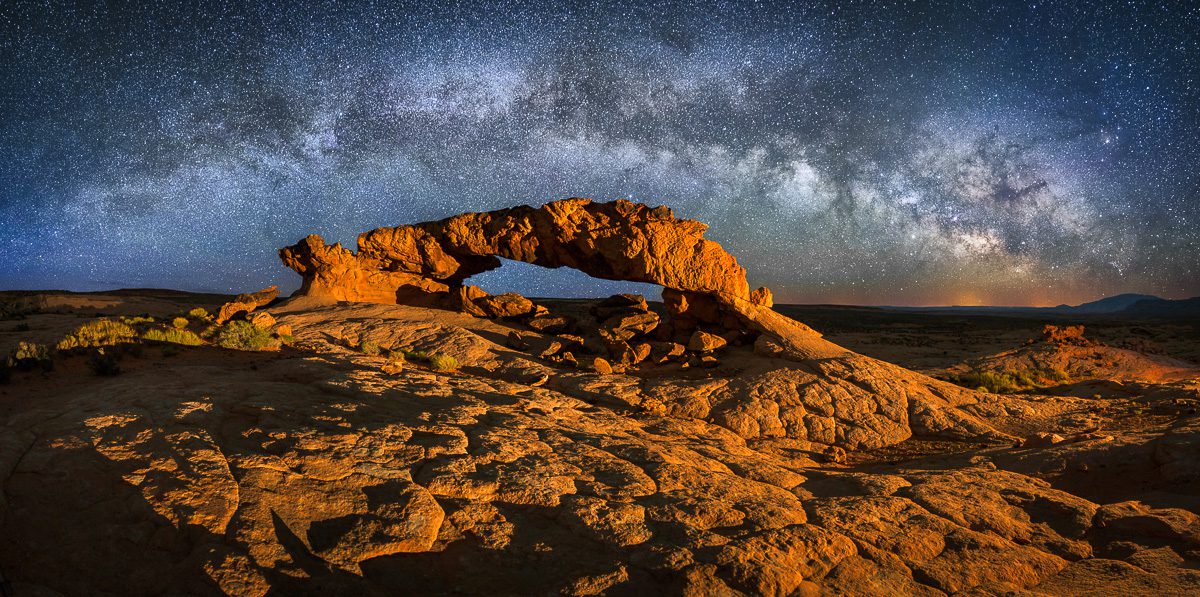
845	152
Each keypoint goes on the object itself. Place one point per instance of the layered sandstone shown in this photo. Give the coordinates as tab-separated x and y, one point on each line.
618	240
316	470
801	386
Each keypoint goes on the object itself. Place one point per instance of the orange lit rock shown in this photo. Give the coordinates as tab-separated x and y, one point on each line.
246	303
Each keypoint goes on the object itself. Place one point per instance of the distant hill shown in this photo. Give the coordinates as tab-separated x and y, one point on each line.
1110	304
1164	308
1121	305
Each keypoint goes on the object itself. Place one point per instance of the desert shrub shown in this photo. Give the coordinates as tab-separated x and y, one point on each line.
1010	382
370	348
29	351
210	332
1056	376
441	362
101	332
104	363
16	310
437	362
28	355
179	323
243	335
395	363
137	320
174	336
287	339
415	355
198	313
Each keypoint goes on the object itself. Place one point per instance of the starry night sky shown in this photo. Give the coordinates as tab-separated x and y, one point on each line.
856	152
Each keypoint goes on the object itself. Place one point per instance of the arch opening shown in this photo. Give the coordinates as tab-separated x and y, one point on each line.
536	281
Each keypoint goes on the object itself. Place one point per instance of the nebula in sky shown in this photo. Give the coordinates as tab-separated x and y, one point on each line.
858	152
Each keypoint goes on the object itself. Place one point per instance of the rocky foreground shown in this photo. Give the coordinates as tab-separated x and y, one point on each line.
312	470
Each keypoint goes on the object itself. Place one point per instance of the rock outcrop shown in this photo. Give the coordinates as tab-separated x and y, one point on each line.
833	396
244	304
321	470
618	240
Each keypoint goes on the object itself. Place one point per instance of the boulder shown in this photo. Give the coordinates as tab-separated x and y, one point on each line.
509	305
641	351
244	304
661	352
621	352
463	299
262	320
619	304
551	324
702	341
762	297
627	326
601	366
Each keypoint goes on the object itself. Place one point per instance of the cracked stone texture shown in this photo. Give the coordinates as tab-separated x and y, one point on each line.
312	471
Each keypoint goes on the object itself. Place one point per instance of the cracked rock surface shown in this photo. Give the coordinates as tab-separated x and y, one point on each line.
313	471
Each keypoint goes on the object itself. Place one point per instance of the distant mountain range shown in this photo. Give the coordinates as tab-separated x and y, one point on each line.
1121	305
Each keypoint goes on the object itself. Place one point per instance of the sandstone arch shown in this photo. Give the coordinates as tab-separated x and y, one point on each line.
618	240
809	388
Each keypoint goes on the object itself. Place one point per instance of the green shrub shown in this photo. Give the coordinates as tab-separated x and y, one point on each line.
287	339
1010	382
370	348
105	364
137	320
437	362
415	355
174	336
101	332
179	323
28	355
198	313
441	362
29	351
243	335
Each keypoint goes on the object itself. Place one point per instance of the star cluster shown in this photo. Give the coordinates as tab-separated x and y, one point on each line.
859	152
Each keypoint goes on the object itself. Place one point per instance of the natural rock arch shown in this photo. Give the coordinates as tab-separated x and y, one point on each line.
426	263
814	389
618	240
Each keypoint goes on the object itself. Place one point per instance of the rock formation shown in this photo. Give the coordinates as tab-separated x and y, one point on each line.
1065	355
833	396
326	470
245	304
618	240
425	264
